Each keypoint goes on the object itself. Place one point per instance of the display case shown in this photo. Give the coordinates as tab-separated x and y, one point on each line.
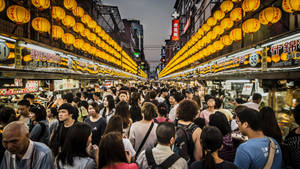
283	103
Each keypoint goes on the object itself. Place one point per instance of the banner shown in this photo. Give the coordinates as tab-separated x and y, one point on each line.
175	30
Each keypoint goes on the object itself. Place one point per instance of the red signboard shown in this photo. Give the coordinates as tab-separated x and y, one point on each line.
175	30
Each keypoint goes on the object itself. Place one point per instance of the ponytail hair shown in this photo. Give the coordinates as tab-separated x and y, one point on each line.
211	140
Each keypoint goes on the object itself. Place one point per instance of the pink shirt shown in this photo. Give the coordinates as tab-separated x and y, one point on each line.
205	114
123	166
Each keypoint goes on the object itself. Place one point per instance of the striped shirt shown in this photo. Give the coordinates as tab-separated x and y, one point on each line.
37	156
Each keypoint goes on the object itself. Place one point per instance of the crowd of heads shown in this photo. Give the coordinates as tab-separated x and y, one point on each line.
147	99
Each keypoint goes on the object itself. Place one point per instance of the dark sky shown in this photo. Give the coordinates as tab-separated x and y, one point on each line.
155	16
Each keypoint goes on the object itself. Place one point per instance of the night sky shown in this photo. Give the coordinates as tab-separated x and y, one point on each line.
155	16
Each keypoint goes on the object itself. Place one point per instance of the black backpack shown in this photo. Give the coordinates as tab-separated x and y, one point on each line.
184	144
164	165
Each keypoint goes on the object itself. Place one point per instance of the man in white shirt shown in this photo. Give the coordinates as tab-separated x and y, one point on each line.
174	99
158	155
254	104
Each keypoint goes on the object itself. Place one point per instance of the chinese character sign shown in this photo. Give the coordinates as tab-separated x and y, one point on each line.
175	30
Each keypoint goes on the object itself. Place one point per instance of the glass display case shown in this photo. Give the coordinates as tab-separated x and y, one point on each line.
283	103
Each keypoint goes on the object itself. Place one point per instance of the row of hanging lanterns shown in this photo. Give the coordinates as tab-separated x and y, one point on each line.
21	15
267	16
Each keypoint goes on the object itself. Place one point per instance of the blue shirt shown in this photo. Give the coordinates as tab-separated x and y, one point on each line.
37	156
253	154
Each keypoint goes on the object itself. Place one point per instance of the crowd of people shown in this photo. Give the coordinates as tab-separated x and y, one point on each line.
146	127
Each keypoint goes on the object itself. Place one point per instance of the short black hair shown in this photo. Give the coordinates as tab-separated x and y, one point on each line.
98	94
207	97
162	109
24	103
240	101
78	94
187	110
68	107
220	121
256	97
218	103
252	117
164	132
28	96
177	96
297	114
69	97
39	111
163	90
7	115
54	111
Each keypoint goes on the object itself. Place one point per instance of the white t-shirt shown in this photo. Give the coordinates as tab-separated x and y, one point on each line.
252	105
128	146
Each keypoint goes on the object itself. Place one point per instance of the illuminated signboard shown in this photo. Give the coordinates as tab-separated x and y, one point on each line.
175	30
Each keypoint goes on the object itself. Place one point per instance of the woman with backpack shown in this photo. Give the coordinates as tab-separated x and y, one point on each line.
40	126
211	142
187	143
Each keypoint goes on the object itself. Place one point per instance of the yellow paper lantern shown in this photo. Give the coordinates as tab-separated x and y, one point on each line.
92	24
226	6
92	37
226	40
78	11
251	25
97	29
227	23
250	5
41	4
205	28
68	39
57	32
92	50
78	43
70	4
86	47
69	21
211	36
218	30
218	45
18	14
2	5
236	1
85	33
86	19
236	14
78	27
270	15
218	15
58	13
236	34
211	21
291	6
41	24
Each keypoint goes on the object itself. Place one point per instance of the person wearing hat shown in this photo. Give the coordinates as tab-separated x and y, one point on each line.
189	94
